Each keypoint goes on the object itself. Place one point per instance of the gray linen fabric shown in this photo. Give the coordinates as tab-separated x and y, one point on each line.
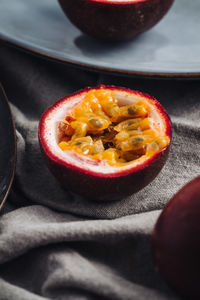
57	245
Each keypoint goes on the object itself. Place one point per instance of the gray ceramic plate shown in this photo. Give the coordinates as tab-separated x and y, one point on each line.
171	48
7	148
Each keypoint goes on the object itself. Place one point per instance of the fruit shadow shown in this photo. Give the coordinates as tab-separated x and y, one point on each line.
90	46
144	46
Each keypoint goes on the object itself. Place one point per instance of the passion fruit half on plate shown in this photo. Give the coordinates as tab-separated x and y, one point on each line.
105	142
115	20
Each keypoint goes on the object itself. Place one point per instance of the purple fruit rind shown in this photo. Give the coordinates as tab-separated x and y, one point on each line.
115	21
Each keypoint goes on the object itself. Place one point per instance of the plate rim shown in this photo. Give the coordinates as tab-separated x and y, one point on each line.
15	149
90	67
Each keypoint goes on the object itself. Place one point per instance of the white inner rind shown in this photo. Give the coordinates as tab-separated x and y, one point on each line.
62	109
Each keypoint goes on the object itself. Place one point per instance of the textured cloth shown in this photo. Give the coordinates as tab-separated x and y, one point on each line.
57	245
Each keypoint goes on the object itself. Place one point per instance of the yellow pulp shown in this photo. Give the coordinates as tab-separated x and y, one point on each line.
101	129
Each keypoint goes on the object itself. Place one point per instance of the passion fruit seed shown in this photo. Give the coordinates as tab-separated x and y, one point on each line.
101	129
132	155
132	144
123	135
96	123
97	147
111	156
80	129
128	124
156	145
136	141
133	124
133	111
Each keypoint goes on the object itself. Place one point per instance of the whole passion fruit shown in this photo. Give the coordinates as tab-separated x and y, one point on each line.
176	241
105	142
115	20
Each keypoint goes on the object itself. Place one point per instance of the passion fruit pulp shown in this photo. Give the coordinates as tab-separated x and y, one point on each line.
176	241
106	142
115	20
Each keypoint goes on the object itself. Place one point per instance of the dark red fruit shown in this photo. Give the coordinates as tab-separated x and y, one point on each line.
176	241
96	179
115	20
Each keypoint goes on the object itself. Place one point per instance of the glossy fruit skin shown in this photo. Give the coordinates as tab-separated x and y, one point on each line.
176	241
105	187
112	20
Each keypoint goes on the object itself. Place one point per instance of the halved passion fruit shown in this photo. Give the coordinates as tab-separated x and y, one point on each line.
115	20
106	142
